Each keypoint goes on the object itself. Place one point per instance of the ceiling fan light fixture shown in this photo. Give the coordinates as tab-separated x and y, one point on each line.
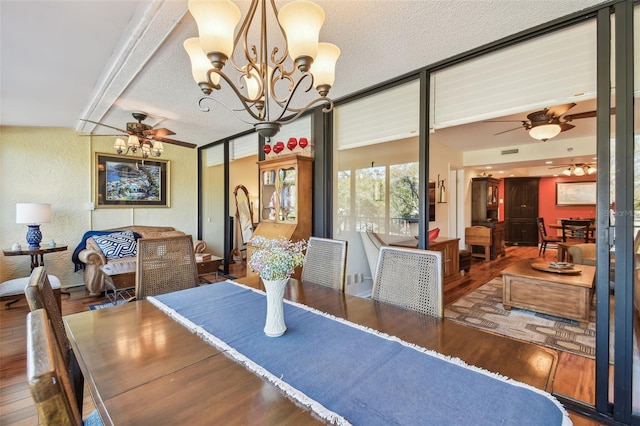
568	171
591	170
120	145
578	171
133	142
544	132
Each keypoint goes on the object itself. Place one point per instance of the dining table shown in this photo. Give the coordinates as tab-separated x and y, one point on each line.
150	362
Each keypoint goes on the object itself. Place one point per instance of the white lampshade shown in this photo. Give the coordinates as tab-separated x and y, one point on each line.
301	21
324	66
216	20
33	214
544	131
158	148
120	144
133	141
578	171
200	64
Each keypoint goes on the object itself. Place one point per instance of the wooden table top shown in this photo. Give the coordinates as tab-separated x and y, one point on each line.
35	251
142	367
524	269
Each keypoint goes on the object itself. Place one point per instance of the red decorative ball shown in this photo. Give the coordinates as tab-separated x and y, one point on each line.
293	142
303	143
267	149
278	147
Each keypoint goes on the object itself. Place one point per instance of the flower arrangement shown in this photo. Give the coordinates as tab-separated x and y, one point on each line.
276	259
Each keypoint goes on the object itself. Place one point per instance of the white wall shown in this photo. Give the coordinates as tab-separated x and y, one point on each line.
56	166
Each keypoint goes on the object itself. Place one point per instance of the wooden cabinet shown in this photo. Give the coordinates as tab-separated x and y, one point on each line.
285	207
450	256
521	211
485	196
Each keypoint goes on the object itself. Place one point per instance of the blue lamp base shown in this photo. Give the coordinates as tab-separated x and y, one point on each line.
34	236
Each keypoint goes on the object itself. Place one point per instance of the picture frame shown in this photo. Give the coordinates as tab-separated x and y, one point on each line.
575	193
131	181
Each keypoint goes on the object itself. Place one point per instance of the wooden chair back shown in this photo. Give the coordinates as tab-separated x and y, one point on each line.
577	229
325	262
48	379
165	265
411	279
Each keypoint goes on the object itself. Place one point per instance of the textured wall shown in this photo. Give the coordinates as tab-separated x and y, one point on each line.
55	166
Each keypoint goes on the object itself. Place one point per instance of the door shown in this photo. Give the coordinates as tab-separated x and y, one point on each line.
521	211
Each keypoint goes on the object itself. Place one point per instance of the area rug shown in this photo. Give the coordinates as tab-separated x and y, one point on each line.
483	309
106	305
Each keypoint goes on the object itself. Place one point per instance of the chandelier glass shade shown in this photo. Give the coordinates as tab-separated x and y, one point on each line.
544	132
579	170
134	143
266	82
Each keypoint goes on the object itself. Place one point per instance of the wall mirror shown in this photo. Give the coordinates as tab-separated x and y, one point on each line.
244	214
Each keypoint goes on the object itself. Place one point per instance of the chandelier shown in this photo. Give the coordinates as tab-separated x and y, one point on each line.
579	169
265	85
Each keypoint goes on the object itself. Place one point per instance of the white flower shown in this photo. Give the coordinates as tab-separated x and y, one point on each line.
277	258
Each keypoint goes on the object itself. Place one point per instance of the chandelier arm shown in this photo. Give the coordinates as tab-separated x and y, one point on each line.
275	60
204	108
246	102
242	34
299	111
284	103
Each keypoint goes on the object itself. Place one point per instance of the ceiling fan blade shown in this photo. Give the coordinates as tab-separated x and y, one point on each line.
506	131
158	132
106	125
566	126
558	110
175	142
503	121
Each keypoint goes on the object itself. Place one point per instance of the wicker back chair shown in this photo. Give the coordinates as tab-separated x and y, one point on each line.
49	381
411	279
325	262
165	265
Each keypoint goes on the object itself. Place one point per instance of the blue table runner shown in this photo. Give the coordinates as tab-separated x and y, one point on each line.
348	374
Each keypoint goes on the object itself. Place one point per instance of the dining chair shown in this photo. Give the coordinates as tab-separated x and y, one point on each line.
411	279
325	262
577	229
40	295
544	238
49	382
165	265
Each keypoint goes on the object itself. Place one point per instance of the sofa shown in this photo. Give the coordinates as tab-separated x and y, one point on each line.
92	257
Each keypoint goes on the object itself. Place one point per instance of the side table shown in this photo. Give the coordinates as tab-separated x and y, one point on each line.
119	280
37	254
37	259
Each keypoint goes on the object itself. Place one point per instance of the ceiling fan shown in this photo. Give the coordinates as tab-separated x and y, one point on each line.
143	136
549	122
577	169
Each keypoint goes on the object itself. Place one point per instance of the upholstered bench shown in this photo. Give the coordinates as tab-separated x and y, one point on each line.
15	287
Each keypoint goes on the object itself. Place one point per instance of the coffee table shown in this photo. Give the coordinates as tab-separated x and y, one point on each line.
566	295
119	280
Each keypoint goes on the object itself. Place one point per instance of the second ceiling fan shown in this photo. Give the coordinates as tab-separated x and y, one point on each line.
143	136
549	122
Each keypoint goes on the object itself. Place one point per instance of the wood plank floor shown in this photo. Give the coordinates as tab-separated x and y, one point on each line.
575	376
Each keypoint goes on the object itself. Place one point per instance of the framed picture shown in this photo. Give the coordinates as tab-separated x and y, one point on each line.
575	193
131	181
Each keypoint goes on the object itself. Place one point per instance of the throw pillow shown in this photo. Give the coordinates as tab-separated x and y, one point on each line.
117	245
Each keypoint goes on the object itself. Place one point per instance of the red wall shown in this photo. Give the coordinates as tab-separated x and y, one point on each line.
547	202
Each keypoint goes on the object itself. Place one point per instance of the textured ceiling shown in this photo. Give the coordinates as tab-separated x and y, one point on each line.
62	61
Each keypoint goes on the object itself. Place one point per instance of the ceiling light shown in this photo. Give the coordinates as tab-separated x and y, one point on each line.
568	171
579	169
262	77
544	132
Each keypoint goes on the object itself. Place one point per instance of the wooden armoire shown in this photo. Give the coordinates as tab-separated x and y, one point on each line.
521	211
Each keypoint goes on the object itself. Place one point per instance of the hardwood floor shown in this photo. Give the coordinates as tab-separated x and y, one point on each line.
575	376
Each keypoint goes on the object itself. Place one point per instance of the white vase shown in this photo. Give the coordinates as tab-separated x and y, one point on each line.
274	325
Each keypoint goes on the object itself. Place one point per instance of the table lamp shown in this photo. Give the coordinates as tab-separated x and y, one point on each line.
33	215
